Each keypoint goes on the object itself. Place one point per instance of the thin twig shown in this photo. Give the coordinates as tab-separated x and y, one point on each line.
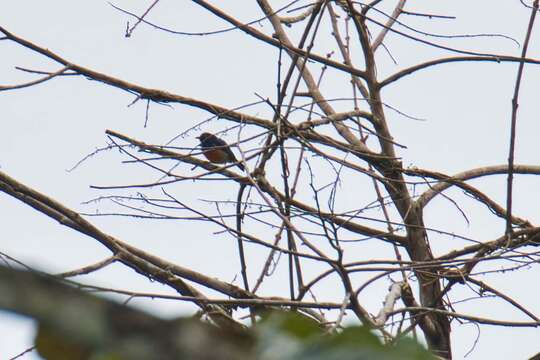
510	179
35	82
129	32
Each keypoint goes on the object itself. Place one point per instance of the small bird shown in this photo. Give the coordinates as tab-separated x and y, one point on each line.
217	150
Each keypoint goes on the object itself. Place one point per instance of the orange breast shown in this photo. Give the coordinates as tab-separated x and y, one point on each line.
216	156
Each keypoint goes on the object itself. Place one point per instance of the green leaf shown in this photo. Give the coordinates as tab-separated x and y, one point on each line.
290	323
355	336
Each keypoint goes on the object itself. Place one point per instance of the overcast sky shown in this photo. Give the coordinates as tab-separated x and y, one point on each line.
46	129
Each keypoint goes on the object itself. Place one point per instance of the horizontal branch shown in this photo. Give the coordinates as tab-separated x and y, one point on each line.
529	236
265	186
243	303
424	310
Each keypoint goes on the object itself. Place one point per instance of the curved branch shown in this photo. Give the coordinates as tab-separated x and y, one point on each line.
427	64
448	181
467	175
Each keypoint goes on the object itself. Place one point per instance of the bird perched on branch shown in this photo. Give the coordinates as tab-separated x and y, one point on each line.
217	150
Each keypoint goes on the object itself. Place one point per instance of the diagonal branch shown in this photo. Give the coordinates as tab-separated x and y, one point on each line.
35	82
391	21
134	258
142	92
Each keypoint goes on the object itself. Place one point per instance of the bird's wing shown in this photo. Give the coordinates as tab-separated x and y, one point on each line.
230	153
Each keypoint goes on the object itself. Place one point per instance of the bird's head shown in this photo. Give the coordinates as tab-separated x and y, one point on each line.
204	136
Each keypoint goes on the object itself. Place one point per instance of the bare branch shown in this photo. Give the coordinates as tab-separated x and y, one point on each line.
35	82
90	268
494	58
393	295
509	188
391	20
